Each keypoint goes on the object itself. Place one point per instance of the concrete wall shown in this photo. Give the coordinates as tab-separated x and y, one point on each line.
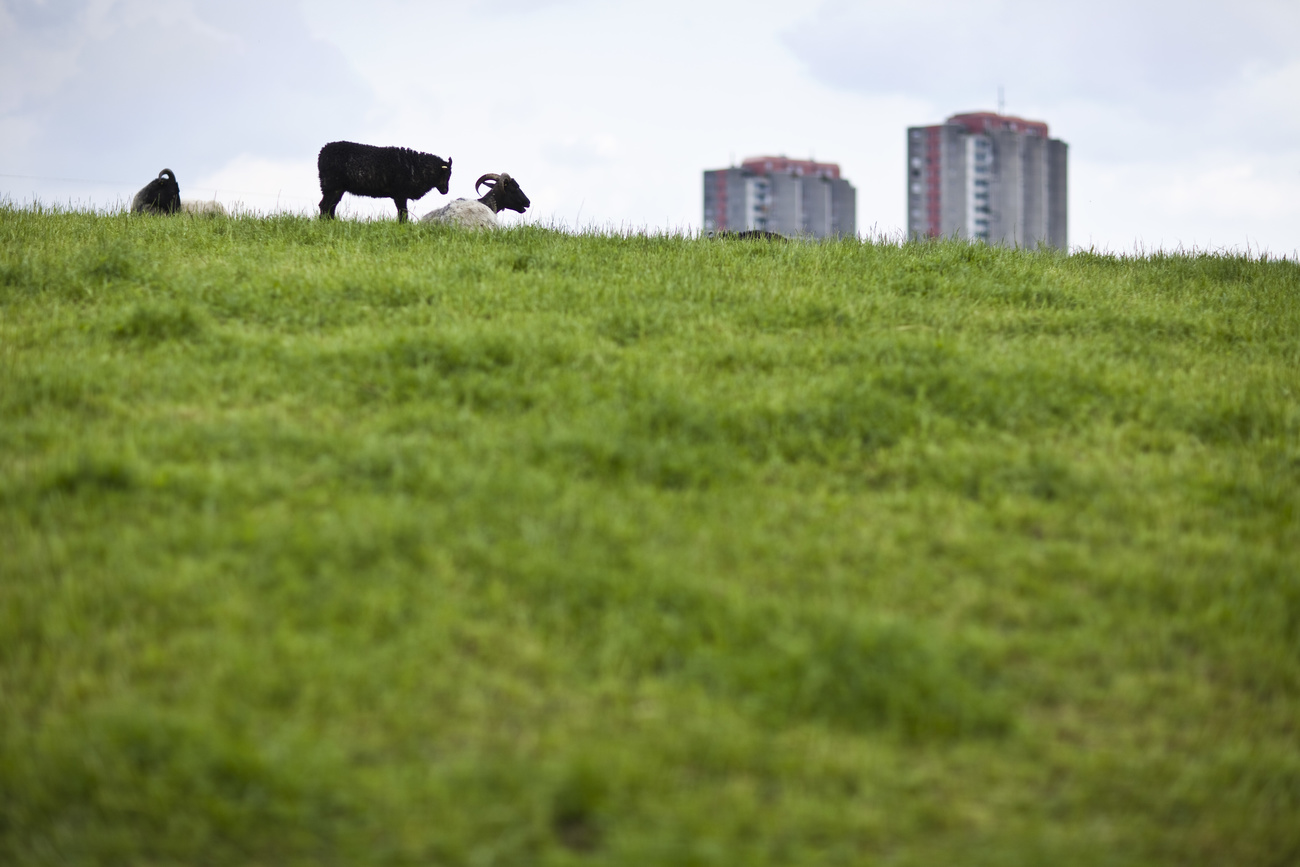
952	183
818	213
1033	154
844	208
784	215
1006	190
1058	153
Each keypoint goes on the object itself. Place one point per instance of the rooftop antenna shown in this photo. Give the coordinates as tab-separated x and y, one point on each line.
1002	103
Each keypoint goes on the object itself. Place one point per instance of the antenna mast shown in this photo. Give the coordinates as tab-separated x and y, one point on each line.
1002	103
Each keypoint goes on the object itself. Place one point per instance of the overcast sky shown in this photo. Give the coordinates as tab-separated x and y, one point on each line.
1183	118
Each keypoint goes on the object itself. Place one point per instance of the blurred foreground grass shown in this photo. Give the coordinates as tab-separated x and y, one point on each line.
350	543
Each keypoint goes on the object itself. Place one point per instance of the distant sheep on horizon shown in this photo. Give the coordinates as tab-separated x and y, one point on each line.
162	195
378	172
749	235
503	192
204	209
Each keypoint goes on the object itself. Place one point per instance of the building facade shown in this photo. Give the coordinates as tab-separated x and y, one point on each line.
776	194
987	177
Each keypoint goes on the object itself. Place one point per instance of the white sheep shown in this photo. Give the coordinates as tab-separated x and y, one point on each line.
204	209
503	192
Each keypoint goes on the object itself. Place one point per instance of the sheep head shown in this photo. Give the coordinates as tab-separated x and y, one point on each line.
503	192
439	172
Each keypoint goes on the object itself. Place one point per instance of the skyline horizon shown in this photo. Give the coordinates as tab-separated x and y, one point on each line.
1183	126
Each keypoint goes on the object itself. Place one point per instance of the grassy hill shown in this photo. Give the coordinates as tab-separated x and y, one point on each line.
363	543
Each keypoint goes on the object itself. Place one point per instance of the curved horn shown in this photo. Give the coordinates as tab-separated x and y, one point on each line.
490	176
167	173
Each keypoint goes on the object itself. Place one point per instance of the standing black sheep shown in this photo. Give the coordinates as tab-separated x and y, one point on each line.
381	173
162	195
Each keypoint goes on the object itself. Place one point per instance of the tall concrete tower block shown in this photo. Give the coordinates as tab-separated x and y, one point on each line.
777	194
987	177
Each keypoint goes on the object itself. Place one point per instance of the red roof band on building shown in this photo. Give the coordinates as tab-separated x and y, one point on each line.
785	165
977	122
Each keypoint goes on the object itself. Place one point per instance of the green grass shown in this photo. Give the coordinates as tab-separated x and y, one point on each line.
364	543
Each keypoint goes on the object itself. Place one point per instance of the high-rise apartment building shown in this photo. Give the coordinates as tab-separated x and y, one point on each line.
989	177
790	197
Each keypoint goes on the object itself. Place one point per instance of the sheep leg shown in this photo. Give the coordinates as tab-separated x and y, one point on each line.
401	209
330	202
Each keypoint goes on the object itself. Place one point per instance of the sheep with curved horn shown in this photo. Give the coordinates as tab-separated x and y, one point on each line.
162	195
503	192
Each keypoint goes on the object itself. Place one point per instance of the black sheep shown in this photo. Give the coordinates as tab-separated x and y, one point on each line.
749	235
381	173
162	195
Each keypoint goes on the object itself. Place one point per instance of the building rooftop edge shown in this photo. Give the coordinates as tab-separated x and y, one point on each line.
778	165
987	121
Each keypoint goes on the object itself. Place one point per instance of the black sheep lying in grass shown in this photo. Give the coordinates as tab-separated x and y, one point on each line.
162	195
379	172
749	235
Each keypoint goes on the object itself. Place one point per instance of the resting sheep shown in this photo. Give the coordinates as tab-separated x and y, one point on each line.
162	195
503	192
378	172
204	209
749	235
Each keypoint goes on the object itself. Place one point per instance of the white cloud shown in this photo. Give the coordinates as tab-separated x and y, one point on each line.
581	153
1117	51
124	87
